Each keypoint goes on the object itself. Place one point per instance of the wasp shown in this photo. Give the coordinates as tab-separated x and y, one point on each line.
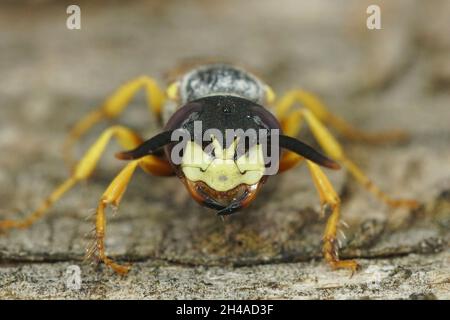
222	96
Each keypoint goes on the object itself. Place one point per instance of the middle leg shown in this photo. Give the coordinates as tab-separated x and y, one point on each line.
114	106
127	139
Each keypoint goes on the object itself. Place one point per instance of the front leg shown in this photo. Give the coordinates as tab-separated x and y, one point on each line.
111	196
330	202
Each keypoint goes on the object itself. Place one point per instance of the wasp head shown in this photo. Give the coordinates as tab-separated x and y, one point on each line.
222	148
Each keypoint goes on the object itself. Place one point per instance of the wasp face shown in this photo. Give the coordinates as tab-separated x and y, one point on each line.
222	177
223	165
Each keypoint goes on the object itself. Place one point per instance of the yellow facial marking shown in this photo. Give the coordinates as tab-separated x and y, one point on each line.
223	173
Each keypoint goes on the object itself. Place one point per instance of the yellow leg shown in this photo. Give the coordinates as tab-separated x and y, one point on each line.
83	170
113	195
333	149
289	160
312	103
43	208
330	202
114	106
156	166
291	124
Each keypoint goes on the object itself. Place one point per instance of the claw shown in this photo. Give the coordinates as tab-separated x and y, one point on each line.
120	269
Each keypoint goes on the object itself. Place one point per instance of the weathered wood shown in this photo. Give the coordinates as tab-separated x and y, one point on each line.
272	249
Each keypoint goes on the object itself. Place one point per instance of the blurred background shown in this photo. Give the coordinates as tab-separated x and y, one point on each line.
322	46
396	77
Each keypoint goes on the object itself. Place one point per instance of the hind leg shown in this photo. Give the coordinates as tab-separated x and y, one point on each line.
312	103
333	149
114	106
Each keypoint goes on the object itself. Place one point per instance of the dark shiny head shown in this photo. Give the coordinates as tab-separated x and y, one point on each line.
222	112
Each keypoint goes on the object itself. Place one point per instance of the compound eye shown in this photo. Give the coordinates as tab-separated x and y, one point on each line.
182	115
267	119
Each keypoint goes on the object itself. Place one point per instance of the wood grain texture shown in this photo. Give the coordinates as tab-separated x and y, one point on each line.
392	78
